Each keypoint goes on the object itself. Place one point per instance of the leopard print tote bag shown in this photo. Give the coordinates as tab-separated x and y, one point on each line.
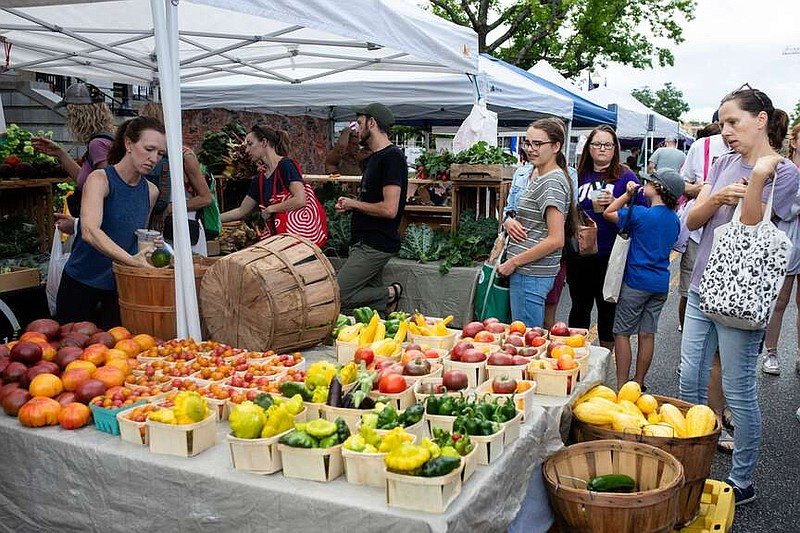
745	271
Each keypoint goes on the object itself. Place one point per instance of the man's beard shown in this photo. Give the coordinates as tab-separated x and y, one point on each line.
362	141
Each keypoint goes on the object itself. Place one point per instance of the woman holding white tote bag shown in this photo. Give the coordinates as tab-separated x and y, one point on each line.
757	177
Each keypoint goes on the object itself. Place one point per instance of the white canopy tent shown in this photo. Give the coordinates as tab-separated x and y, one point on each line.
293	42
419	96
633	116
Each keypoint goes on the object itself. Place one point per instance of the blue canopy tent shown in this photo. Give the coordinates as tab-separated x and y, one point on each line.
585	114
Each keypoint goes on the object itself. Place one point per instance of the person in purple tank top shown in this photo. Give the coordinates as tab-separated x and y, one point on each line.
116	202
754	130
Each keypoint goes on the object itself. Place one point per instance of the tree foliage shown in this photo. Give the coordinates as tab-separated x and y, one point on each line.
795	116
667	101
573	35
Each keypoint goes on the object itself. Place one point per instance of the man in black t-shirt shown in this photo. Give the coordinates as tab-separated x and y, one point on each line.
376	215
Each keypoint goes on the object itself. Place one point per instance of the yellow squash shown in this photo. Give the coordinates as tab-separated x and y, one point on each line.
630	391
599	391
647	404
700	420
672	416
593	413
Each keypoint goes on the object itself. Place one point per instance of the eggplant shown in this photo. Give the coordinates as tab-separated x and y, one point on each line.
335	393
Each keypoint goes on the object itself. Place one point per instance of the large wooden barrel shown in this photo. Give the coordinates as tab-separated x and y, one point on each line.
147	297
279	294
694	453
652	508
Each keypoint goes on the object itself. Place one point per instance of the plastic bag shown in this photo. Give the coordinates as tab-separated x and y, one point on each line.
480	125
58	258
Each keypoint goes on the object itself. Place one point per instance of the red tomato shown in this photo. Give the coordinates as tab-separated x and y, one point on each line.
392	384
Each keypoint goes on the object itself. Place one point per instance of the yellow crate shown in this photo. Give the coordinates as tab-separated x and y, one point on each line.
716	509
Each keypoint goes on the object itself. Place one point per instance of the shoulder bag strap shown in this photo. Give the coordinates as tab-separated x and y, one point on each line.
625	230
261	178
706	158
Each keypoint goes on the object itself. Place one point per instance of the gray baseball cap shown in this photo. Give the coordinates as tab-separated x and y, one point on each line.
77	94
670	180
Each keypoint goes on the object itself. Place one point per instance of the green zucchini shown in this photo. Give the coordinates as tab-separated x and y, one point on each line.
612	483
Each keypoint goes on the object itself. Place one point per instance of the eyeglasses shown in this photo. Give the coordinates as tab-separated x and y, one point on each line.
535	145
754	92
602	146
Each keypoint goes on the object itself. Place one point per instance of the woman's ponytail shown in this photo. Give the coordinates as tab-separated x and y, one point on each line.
777	127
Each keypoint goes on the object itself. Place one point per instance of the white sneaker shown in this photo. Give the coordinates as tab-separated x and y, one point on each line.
797	414
771	364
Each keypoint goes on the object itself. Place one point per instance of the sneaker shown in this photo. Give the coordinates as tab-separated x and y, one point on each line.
797	364
797	414
742	496
680	328
771	364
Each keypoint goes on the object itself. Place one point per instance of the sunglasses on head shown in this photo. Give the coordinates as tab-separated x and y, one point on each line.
755	92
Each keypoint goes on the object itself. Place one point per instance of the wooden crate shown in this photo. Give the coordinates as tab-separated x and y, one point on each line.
364	468
130	431
345	351
352	417
554	382
313	464
511	429
490	447
470	464
442	342
426	494
19	278
183	440
259	456
438	421
476	372
481	188
517	372
31	199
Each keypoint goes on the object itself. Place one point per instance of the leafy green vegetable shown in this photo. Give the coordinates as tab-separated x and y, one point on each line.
435	165
481	153
471	242
421	243
17	236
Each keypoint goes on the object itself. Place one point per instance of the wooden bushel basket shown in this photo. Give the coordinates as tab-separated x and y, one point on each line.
694	453
652	509
279	294
147	297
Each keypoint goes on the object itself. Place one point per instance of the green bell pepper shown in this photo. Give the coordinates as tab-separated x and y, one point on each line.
433	404
440	466
342	431
412	415
290	388
363	314
342	322
264	401
448	406
391	327
298	439
387	418
398	315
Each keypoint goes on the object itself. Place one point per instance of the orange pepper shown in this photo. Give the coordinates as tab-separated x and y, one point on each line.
522	386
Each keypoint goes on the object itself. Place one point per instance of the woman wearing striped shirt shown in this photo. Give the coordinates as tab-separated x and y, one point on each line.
537	230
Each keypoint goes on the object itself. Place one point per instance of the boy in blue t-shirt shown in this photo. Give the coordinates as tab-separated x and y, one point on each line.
653	231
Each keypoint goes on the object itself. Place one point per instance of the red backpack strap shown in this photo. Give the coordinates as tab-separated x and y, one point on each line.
706	153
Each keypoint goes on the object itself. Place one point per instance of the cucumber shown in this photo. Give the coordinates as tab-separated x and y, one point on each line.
612	483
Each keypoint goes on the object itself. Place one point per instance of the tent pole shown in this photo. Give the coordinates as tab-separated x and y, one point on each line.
165	23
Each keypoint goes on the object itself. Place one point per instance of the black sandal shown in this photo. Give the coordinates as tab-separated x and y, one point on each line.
391	305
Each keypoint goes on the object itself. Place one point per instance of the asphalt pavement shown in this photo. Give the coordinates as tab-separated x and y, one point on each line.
777	507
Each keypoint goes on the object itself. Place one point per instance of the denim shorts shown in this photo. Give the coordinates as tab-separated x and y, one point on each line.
638	311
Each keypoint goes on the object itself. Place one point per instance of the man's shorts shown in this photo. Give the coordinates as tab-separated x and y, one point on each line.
688	259
638	311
